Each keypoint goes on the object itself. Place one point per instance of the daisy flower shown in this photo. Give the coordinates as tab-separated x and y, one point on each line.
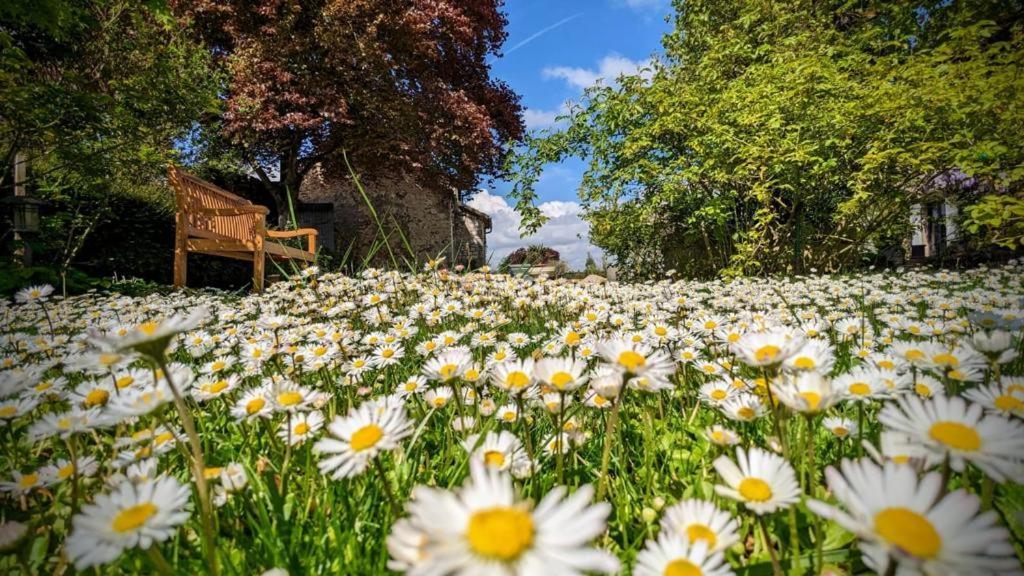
33	294
636	359
742	407
64	469
673	556
807	392
253	404
722	436
954	428
498	451
700	520
133	515
448	365
359	437
23	483
840	426
514	377
766	348
484	528
896	515
998	399
304	425
561	374
763	482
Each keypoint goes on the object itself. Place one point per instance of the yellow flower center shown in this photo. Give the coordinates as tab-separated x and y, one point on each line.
494	458
631	360
840	431
909	531
746	413
766	353
955	435
29	480
108	359
97	397
804	363
124	382
410	386
1008	403
561	379
755	490
508	416
913	354
660	331
517	379
255	405
701	532
719	394
387	353
65	472
447	371
945	360
289	398
218	386
300	429
682	567
500	533
860	389
366	437
572	338
148	328
922	390
813	399
217	366
133	518
8	411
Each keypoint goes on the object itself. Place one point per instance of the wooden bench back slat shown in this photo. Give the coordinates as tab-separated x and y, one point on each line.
236	230
191	193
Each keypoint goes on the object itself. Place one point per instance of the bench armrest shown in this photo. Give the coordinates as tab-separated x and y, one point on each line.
310	232
232	211
292	233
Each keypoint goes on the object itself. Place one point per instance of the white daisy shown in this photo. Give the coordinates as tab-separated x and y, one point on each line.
483	528
898	516
359	437
132	515
763	482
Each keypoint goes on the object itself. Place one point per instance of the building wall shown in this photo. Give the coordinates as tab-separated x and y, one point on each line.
470	240
429	220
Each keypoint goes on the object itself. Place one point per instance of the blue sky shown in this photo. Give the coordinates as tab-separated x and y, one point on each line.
555	49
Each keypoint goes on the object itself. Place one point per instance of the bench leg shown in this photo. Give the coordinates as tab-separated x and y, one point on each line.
259	262
180	252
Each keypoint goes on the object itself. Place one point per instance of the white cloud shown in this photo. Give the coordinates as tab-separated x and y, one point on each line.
535	119
643	4
565	231
608	70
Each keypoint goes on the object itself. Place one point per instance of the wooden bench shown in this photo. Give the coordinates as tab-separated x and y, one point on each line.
211	220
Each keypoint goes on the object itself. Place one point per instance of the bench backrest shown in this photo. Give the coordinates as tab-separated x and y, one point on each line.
192	193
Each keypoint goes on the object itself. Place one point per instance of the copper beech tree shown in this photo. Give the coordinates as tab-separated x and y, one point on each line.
398	85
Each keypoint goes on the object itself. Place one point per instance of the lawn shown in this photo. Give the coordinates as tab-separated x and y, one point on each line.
479	423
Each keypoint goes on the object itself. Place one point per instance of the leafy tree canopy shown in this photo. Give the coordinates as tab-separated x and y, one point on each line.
398	84
775	136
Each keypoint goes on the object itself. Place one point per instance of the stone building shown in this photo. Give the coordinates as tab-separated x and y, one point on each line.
412	217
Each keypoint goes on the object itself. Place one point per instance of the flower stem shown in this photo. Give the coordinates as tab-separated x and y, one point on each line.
158	560
609	437
396	510
198	469
776	567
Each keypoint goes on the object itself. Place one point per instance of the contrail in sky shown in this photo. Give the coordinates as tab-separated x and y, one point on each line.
542	32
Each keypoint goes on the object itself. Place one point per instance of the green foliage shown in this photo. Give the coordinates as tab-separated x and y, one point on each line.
1001	218
781	136
94	95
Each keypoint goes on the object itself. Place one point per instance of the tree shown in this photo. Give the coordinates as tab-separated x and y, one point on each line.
95	93
395	84
775	136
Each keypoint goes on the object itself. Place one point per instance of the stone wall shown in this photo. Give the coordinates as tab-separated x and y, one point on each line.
470	239
430	221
